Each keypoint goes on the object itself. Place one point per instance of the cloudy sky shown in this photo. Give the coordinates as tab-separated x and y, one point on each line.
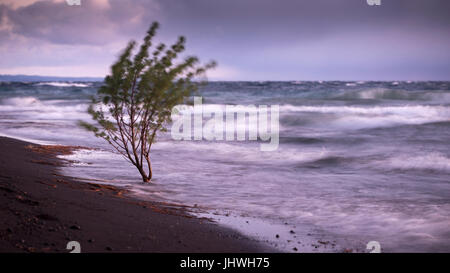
250	39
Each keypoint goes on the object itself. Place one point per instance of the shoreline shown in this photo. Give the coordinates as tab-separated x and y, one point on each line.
42	210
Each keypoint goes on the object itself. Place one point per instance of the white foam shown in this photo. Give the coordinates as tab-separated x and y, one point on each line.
30	108
430	161
86	156
211	108
21	101
355	117
64	84
424	113
378	93
408	109
247	152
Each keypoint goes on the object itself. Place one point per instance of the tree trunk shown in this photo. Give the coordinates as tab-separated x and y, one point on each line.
150	172
145	178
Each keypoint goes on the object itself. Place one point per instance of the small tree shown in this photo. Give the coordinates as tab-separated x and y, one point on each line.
135	101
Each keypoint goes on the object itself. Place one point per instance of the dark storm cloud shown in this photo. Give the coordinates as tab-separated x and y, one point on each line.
260	39
252	21
4	32
90	23
295	19
324	39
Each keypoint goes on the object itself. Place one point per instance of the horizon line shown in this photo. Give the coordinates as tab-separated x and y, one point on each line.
98	79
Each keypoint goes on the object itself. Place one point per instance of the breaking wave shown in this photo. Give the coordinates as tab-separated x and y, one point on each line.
356	117
393	94
430	161
64	84
21	101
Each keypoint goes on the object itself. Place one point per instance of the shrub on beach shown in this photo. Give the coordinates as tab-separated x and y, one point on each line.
136	99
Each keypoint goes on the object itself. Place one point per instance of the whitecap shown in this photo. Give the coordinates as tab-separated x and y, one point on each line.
64	84
357	117
430	161
21	101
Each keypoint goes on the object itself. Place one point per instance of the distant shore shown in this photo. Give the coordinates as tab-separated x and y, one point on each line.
41	211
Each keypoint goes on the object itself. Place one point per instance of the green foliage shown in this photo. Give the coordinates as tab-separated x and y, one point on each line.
136	99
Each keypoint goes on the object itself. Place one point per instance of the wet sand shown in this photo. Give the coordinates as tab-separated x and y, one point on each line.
41	211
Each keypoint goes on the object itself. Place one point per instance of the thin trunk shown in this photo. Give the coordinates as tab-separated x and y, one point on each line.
150	173
145	178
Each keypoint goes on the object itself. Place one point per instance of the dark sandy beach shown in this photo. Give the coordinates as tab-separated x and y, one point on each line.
41	211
